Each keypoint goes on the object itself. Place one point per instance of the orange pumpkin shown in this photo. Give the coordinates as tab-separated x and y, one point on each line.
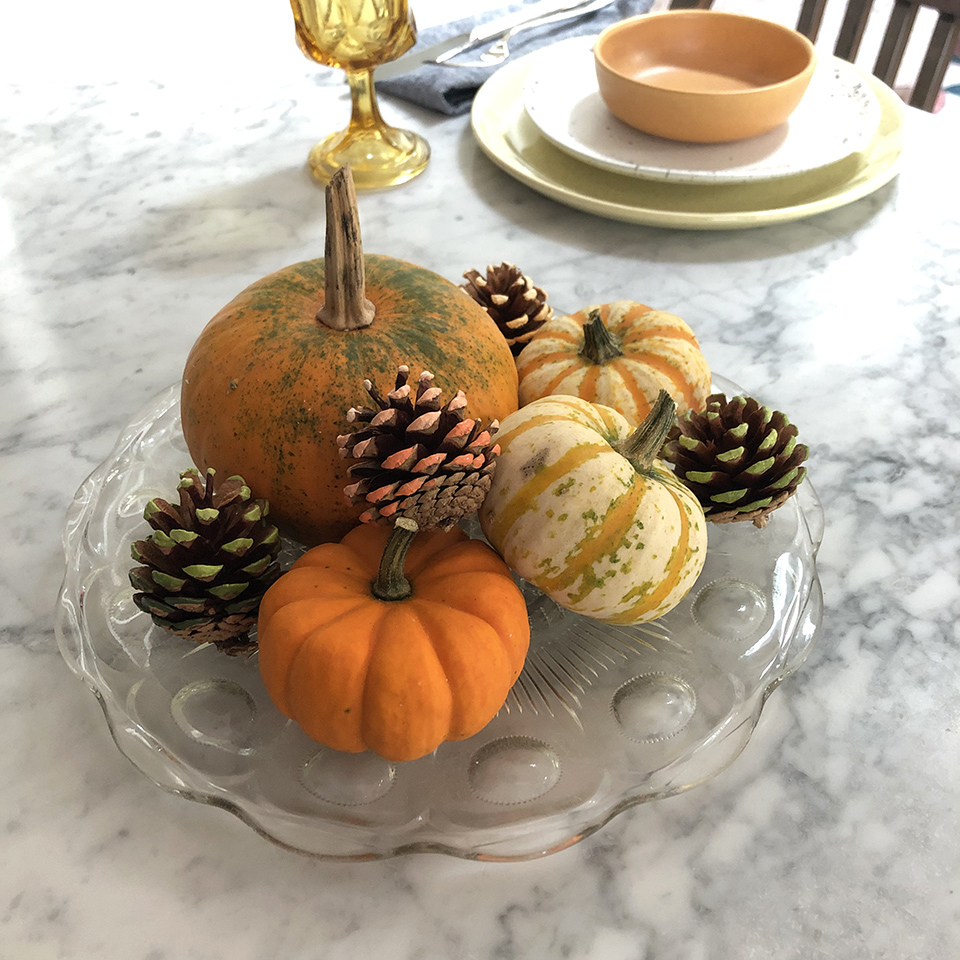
620	354
360	663
268	383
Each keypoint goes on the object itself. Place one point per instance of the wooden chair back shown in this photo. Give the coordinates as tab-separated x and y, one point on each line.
940	49
942	45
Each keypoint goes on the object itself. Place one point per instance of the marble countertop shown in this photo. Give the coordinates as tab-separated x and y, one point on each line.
151	172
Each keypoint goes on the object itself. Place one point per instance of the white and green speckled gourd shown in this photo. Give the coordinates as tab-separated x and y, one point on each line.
581	509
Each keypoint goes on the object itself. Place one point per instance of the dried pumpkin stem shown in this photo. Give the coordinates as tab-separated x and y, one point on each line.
391	584
345	306
599	344
643	445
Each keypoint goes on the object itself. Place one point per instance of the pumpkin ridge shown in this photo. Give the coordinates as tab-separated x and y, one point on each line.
634	311
456	562
611	422
674	569
450	629
557	334
662	331
588	385
305	584
312	559
672	373
331	693
586	413
508	515
407	702
430	547
281	641
592	550
468	593
629	382
563	335
572	369
588	416
599	417
544	359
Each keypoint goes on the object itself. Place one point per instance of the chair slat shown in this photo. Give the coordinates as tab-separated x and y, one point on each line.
944	41
811	17
934	67
894	41
852	28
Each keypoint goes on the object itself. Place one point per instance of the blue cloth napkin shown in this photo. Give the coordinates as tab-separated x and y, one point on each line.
450	90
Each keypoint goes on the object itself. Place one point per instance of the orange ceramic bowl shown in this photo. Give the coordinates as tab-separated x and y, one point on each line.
702	76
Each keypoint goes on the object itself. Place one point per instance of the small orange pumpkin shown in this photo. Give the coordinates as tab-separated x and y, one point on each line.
620	354
368	646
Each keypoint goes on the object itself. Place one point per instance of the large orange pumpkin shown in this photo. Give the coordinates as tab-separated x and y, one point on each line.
268	383
361	664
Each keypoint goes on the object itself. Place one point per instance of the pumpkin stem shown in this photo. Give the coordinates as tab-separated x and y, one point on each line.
599	344
643	445
345	307
391	584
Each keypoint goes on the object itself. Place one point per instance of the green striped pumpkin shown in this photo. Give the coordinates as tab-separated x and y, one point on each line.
580	508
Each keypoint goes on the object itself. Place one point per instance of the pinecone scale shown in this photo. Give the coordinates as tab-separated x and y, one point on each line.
208	562
418	457
516	304
740	458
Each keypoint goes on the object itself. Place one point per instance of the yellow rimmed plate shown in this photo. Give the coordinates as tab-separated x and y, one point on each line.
512	141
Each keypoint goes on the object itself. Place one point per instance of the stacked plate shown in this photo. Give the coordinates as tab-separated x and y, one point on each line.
542	120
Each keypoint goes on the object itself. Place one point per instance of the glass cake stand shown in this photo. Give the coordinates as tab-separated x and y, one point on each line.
601	718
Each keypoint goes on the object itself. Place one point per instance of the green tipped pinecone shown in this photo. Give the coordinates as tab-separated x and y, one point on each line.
208	562
418	458
741	459
518	307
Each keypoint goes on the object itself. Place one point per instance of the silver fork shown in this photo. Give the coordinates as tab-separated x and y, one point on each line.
499	50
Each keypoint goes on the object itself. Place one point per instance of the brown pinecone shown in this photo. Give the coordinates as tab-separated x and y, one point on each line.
208	562
518	307
418	458
741	459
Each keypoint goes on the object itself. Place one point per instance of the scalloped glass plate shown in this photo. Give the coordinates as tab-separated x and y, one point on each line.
601	718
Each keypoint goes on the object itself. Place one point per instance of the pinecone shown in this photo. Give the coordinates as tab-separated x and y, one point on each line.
741	459
418	458
518	307
208	562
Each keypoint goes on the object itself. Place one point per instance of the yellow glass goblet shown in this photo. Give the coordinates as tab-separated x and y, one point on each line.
356	36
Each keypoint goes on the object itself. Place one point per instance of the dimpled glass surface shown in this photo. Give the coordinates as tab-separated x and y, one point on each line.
601	718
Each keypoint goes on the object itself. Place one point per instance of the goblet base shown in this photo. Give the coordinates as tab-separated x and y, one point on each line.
378	157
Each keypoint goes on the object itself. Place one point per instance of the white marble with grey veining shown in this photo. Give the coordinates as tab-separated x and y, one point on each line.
139	194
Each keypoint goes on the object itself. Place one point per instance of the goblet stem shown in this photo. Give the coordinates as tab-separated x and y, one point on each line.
379	155
364	112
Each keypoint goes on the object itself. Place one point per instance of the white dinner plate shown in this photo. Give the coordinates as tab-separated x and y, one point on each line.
838	115
508	136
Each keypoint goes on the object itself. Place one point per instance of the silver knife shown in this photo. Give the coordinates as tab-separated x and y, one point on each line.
446	49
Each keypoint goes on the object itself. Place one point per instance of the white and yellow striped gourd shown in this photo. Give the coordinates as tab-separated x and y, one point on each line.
581	508
621	354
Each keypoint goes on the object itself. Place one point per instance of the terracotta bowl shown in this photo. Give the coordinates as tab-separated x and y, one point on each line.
702	76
